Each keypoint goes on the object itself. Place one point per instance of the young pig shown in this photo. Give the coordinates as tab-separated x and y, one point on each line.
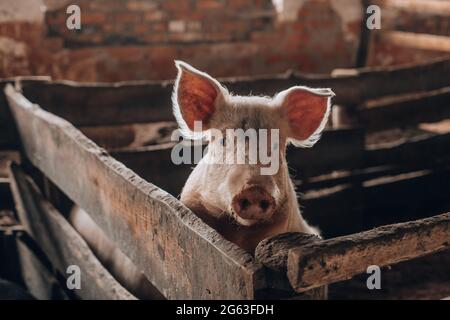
237	199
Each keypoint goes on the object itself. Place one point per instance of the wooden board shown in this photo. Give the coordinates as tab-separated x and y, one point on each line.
433	7
337	149
416	41
313	263
179	254
140	102
342	258
8	134
133	135
422	149
61	243
104	104
406	110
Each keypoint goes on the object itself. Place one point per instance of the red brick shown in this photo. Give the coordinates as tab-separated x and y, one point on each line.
210	4
155	16
177	5
126	17
142	28
141	5
92	17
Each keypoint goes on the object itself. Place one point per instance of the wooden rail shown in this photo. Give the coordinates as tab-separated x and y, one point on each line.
313	262
62	244
140	102
413	40
426	148
8	135
405	110
435	7
179	254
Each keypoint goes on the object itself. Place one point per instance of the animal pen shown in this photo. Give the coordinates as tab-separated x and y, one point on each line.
377	184
350	184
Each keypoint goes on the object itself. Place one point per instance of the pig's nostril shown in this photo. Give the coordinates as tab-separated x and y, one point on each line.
264	204
244	203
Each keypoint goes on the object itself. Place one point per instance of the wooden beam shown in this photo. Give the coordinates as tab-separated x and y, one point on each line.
323	262
104	104
8	134
351	207
337	149
405	110
273	254
128	136
420	41
425	148
435	7
358	85
141	102
183	257
61	243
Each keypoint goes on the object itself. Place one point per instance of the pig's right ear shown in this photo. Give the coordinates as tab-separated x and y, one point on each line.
306	111
195	98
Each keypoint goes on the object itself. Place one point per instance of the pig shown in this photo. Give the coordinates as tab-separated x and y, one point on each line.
242	204
238	200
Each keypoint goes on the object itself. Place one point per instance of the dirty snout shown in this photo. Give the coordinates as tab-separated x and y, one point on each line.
253	204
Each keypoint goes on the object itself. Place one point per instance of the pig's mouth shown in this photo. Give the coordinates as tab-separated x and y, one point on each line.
249	222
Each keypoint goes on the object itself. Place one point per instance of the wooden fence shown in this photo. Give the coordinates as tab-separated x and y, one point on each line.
179	254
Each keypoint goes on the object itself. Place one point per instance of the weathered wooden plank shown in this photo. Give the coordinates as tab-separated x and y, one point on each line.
38	280
104	104
10	266
273	254
140	102
8	134
323	262
406	110
60	242
129	136
435	7
338	149
356	85
426	148
352	207
179	254
413	40
5	157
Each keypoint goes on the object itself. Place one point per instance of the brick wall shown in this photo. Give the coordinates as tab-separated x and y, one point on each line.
139	39
144	22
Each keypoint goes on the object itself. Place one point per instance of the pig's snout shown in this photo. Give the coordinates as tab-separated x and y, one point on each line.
253	203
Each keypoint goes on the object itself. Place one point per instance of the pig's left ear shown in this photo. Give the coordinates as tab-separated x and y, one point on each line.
195	99
306	112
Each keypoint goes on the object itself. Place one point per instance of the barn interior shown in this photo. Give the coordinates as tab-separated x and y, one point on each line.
383	159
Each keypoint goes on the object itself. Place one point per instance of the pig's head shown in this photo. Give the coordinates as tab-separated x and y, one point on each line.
253	192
